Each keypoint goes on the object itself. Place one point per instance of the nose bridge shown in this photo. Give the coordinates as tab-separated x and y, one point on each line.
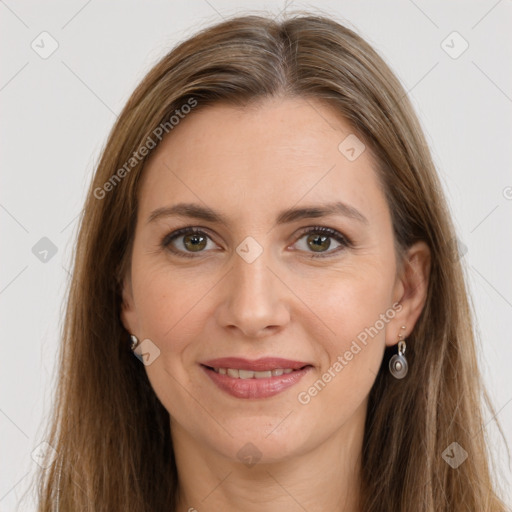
255	297
252	276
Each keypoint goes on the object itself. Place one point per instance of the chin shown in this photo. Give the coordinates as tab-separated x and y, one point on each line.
262	441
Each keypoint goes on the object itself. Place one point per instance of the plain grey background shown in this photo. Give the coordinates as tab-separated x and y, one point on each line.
69	67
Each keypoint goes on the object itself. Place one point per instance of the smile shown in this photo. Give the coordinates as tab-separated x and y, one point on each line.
251	384
248	374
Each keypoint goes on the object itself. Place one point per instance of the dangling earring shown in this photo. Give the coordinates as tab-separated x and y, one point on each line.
398	363
134	341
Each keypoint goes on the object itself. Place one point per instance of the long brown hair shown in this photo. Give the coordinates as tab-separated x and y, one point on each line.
111	433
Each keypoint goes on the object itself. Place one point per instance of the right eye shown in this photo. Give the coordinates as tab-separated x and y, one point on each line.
193	239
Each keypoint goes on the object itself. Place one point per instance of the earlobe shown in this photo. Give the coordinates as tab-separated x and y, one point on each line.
411	289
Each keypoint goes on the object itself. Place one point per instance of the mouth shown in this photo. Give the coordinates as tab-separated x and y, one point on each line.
255	384
237	373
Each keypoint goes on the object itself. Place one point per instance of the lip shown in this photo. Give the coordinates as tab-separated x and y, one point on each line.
255	388
262	364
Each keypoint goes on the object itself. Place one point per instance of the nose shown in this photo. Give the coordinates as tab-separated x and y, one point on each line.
255	299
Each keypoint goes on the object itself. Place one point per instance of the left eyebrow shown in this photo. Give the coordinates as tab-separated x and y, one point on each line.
287	216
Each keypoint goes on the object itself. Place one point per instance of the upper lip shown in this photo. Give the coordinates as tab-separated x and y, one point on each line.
262	364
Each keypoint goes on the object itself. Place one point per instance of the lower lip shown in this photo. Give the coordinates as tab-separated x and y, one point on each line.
256	388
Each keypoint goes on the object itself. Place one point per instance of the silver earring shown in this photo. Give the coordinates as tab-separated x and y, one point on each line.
134	341
398	363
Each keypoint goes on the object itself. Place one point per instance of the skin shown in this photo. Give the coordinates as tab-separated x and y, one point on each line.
249	164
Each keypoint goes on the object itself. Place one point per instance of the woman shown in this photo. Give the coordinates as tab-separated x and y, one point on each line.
267	235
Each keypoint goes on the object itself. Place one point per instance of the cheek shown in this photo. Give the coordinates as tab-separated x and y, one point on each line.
350	299
351	357
168	307
354	311
167	302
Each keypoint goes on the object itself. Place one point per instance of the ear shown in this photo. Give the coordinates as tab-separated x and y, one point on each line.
128	312
410	291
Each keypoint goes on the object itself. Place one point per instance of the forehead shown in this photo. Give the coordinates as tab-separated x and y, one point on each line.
264	157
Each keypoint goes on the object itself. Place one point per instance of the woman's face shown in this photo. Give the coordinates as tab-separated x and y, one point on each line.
264	284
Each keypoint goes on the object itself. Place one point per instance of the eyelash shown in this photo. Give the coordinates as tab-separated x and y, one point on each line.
331	233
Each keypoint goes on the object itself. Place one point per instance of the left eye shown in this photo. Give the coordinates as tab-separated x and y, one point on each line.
195	241
318	238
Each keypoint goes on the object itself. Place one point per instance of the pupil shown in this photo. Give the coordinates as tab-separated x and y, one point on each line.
317	240
195	241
